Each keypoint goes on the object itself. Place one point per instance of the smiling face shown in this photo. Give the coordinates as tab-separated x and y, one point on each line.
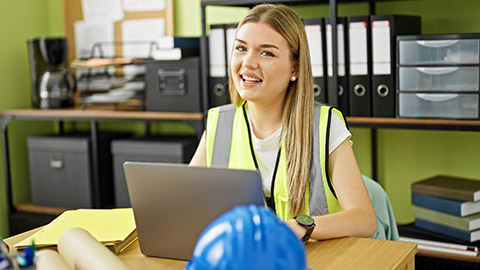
261	67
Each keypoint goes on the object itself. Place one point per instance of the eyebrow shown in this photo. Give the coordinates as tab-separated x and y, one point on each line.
261	46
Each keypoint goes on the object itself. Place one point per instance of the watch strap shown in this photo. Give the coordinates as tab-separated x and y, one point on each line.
308	233
308	226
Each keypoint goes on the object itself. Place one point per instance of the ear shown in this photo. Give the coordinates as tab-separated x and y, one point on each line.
295	69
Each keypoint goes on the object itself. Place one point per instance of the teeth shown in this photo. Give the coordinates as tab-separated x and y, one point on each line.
250	79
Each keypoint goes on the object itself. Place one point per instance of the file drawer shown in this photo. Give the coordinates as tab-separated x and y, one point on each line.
439	78
441	51
451	105
178	149
61	170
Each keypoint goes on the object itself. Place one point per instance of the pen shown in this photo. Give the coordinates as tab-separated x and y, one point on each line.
26	259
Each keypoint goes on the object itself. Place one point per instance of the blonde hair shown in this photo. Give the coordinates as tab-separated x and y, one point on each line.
297	118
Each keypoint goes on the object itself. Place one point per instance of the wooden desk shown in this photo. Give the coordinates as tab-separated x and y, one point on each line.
343	253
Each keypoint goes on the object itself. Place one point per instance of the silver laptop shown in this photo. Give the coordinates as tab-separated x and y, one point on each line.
174	203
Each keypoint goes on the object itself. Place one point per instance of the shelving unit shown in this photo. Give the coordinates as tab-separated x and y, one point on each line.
251	3
42	214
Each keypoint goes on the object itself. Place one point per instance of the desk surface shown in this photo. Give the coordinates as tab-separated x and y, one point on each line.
343	253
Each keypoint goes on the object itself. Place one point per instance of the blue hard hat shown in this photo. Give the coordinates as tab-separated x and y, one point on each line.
248	237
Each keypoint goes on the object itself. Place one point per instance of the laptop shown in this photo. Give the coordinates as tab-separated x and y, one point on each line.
174	203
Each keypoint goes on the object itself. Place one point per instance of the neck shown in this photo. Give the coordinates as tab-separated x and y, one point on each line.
265	120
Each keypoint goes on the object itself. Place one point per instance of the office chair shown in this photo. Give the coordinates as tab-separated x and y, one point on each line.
386	225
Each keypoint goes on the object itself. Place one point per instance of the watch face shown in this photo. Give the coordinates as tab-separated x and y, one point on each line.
305	220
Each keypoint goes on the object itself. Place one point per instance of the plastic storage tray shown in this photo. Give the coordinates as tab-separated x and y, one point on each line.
454	106
464	78
440	51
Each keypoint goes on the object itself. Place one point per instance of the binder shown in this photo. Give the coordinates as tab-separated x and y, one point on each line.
342	69
315	30
170	42
360	92
220	43
384	29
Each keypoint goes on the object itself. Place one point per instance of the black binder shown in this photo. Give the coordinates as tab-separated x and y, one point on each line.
360	90
341	93
385	28
220	44
315	29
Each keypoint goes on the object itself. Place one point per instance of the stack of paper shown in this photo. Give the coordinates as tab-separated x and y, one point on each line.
114	228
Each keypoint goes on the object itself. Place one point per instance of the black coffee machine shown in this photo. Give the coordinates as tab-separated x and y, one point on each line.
53	84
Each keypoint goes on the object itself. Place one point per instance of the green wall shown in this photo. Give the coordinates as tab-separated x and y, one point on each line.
404	156
19	21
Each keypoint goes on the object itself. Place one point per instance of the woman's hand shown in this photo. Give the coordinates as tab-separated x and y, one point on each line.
296	228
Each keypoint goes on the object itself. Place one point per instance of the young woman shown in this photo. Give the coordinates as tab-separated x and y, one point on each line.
302	149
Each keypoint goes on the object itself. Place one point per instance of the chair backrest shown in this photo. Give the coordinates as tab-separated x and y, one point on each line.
386	225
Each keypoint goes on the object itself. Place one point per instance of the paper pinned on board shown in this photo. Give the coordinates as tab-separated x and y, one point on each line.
137	35
88	33
144	5
104	10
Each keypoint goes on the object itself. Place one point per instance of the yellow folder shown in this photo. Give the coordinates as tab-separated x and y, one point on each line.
114	228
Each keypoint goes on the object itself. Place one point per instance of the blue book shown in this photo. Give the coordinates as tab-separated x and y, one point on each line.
446	230
449	206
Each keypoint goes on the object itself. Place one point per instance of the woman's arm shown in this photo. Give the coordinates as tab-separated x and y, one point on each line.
358	216
200	156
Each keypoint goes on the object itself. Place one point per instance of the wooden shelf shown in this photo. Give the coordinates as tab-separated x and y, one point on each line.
96	113
443	255
32	208
442	124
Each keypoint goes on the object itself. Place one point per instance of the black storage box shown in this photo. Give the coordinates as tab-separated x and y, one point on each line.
179	149
174	86
61	170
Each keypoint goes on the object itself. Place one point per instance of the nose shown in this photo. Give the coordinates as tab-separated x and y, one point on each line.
250	60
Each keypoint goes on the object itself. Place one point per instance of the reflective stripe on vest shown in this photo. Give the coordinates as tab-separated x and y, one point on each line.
227	147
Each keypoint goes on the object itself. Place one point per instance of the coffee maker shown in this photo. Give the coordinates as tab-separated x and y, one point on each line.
53	85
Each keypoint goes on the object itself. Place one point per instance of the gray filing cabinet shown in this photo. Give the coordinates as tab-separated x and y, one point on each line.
61	170
178	149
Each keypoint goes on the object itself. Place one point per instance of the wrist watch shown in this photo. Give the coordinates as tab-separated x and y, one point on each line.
308	222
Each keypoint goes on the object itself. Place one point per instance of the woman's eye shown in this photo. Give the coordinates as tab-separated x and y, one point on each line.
266	53
240	48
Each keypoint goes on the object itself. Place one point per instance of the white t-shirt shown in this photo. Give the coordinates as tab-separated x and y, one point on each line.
266	149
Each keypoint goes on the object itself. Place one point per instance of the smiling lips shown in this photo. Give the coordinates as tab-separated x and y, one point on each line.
250	81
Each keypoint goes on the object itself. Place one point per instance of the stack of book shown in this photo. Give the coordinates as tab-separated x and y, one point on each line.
449	206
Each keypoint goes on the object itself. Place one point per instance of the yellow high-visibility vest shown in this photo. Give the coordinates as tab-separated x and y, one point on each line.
228	146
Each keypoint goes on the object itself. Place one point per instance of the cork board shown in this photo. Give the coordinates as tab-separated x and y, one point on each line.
72	11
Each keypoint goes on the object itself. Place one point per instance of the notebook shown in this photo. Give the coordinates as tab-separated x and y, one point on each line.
174	203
